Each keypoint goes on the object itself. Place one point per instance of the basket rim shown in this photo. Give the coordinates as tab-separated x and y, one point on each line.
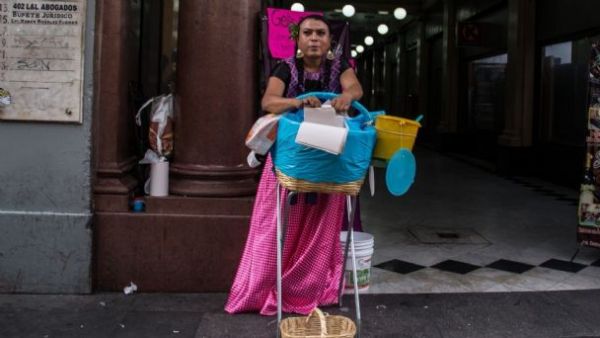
300	185
397	119
396	132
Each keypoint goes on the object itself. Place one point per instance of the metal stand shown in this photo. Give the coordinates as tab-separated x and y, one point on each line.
351	207
576	252
282	219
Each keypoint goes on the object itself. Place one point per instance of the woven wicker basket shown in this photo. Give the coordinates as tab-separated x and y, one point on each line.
317	325
298	185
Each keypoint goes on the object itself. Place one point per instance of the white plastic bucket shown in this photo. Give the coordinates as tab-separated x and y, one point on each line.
363	246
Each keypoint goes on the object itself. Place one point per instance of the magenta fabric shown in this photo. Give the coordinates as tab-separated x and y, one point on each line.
280	44
312	258
352	62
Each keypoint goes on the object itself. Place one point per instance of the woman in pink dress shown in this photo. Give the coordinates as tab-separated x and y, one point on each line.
312	259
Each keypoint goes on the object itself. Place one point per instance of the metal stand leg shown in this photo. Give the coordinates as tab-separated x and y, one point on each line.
351	206
279	253
281	229
576	252
350	215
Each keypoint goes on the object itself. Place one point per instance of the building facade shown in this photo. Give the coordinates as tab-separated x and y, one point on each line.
501	84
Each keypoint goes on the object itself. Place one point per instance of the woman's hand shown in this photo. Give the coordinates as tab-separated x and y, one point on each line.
342	102
311	101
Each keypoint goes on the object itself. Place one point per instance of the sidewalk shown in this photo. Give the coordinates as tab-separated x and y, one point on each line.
514	314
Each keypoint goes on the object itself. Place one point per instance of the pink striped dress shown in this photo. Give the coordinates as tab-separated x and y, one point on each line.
312	259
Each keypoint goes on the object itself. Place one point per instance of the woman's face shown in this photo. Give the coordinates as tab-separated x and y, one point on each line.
314	39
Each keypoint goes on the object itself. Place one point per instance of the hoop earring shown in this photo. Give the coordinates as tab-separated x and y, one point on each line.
330	55
299	54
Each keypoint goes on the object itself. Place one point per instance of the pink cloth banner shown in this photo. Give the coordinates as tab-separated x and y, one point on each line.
280	44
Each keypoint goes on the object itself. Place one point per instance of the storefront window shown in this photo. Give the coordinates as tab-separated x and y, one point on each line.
486	94
563	92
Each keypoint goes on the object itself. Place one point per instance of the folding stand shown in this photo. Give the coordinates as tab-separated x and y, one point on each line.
281	228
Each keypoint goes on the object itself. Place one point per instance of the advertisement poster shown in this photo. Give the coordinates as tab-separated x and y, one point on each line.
588	231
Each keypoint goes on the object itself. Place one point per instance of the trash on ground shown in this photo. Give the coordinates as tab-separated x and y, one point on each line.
131	288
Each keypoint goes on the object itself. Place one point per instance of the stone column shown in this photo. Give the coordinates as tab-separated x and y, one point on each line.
520	72
115	69
448	120
216	100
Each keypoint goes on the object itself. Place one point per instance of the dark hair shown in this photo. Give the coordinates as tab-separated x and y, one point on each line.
315	17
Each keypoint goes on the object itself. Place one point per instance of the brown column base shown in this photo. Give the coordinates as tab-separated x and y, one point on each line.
212	181
115	178
178	245
113	185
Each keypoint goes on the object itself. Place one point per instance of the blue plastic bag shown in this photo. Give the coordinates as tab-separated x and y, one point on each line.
317	166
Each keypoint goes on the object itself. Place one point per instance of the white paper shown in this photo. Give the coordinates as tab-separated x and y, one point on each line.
323	115
323	129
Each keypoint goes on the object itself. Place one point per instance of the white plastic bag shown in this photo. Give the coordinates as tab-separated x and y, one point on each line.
161	123
262	135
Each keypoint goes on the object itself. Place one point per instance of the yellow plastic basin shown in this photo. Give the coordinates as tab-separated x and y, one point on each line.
393	134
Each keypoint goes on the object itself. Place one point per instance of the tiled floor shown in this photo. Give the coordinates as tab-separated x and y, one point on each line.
463	229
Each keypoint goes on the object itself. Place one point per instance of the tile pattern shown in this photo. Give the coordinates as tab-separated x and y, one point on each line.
404	267
510	266
399	266
527	224
455	266
561	265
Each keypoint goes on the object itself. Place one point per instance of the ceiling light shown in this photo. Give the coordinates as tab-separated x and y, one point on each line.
400	13
360	48
382	29
354	53
297	7
348	10
369	40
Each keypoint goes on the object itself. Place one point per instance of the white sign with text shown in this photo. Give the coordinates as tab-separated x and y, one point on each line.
41	59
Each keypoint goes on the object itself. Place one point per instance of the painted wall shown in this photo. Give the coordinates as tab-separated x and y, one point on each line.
45	198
